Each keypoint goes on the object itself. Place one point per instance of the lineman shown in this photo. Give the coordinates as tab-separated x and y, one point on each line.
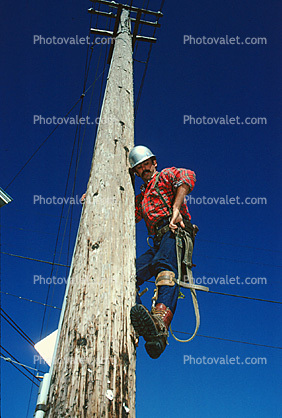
161	204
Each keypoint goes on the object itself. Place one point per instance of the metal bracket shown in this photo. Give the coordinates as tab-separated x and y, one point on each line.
137	20
42	407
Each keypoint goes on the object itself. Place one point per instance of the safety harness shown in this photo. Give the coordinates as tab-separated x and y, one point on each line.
184	246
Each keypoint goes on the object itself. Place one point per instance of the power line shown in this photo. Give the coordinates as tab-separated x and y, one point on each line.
246	297
29	230
79	149
35	259
12	363
16	327
14	358
239	246
233	341
9	360
239	261
146	67
77	137
57	125
61	216
201	255
30	300
237	296
210	291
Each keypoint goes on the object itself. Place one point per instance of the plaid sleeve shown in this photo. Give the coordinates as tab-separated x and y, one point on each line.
178	176
138	213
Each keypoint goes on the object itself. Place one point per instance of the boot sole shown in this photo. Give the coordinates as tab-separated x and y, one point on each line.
144	326
142	322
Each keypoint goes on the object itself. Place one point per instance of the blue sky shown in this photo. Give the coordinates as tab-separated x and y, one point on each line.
241	160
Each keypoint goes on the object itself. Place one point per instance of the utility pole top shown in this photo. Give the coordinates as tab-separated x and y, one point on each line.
137	22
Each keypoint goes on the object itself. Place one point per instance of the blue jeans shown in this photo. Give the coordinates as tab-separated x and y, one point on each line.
159	258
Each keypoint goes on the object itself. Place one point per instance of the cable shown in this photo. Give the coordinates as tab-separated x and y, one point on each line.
29	300
29	230
146	67
79	149
87	67
12	363
237	296
18	362
40	146
60	223
246	297
233	341
198	239
35	259
9	360
239	246
57	125
16	327
239	261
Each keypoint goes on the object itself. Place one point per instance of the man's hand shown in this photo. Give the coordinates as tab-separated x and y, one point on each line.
176	215
176	218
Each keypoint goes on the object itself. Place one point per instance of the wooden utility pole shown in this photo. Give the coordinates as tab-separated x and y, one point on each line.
93	371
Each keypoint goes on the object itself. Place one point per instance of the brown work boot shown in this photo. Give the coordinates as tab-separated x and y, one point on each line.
153	327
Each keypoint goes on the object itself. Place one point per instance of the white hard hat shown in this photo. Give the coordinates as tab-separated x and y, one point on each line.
139	154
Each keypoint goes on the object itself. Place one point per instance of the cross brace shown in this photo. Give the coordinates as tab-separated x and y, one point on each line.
125	6
137	20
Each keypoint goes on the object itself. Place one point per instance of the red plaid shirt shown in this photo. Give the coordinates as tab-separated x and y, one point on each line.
148	204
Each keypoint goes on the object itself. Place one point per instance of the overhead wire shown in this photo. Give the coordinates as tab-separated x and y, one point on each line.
198	239
228	339
237	296
77	131
86	75
35	259
146	67
201	255
87	67
12	363
79	150
239	246
28	300
9	360
16	327
60	222
14	358
89	106
51	133
231	340
149	281
239	261
246	297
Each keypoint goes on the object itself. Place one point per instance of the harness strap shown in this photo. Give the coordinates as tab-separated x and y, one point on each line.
160	195
183	238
